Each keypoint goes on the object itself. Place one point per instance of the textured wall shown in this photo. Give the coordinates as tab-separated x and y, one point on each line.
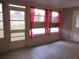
67	14
4	42
69	31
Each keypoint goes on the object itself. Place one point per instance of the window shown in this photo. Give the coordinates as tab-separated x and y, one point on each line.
1	22
17	36
54	24
17	15
38	31
17	23
37	19
17	20
39	15
41	23
77	21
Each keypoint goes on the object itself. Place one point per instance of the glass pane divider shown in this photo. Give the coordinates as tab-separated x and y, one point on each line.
17	36
17	20
1	29
1	20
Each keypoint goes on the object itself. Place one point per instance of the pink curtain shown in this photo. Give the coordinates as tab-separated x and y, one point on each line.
50	22
45	20
32	14
59	17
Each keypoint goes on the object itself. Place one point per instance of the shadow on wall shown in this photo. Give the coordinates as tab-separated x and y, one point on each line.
66	34
70	36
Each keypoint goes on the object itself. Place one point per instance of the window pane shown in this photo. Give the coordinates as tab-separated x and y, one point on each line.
1	17
54	17
38	31
54	24
39	18
17	25
17	38
77	21
39	12
17	34
1	33
0	7
55	29
17	15
55	14
1	25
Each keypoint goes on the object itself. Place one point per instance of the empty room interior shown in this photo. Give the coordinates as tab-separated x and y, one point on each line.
39	29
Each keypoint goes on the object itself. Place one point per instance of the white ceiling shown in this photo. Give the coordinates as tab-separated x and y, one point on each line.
51	3
55	3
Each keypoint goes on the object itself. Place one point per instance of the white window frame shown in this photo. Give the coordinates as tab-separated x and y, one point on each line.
17	8
1	11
